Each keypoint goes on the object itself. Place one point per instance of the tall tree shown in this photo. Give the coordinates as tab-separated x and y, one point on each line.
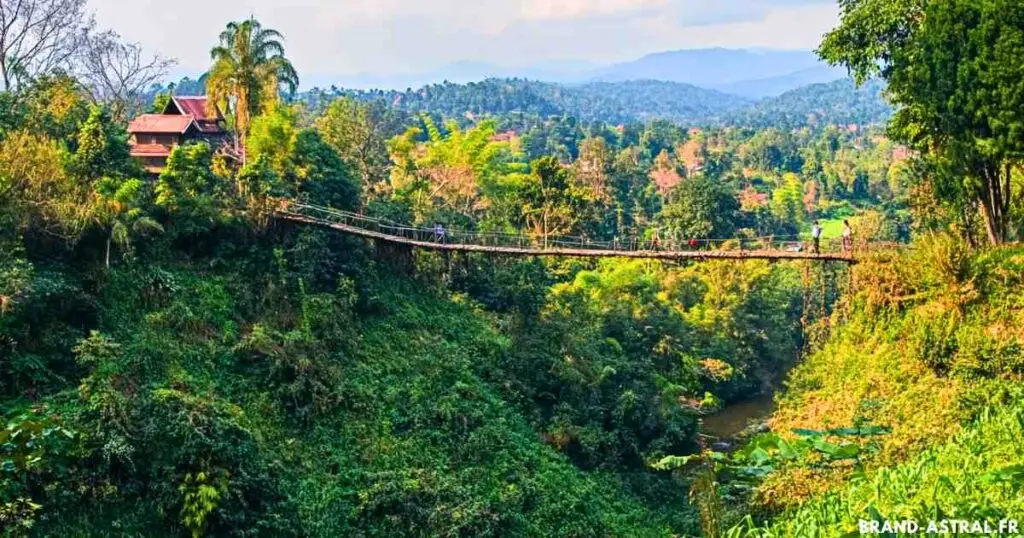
118	74
304	163
454	174
359	133
39	36
189	191
701	208
551	205
118	210
249	71
954	69
664	173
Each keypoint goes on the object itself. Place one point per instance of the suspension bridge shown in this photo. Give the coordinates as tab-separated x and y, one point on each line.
761	248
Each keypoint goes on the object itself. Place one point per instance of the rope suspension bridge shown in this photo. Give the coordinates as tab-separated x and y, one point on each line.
760	248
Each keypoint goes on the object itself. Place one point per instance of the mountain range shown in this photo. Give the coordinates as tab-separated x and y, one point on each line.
833	103
744	72
696	87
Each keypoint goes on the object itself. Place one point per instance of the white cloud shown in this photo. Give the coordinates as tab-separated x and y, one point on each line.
575	9
800	27
400	36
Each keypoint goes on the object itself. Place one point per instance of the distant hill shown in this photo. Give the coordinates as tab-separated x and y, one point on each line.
838	102
749	73
596	101
711	68
565	71
773	86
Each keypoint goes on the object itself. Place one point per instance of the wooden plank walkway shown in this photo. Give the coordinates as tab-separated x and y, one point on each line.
571	252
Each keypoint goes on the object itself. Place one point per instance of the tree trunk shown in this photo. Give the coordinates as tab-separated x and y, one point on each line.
3	69
545	229
991	202
991	223
108	252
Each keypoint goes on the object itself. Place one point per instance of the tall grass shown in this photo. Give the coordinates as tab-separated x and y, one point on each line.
977	474
930	345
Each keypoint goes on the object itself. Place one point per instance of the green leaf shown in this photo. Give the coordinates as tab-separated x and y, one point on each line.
671	463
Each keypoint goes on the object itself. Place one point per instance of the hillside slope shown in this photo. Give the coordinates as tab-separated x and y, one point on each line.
930	349
599	101
289	389
833	103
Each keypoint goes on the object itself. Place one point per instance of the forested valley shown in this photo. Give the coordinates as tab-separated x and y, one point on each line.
175	360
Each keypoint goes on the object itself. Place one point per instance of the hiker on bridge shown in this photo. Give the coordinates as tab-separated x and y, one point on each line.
847	236
438	233
816	236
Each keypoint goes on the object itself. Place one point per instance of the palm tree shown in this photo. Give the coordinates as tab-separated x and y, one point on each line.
117	208
249	71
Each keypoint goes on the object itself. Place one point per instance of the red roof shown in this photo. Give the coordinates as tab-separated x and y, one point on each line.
189	106
195	106
160	123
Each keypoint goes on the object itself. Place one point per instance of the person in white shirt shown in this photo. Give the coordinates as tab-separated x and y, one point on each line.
816	235
847	236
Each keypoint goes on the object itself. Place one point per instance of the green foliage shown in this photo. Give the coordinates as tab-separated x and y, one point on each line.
837	103
102	148
321	175
973	476
118	208
200	495
249	71
951	69
188	189
34	448
272	137
701	208
54	106
612	102
619	358
922	345
358	133
787	199
160	101
302	164
254	377
819	105
452	175
547	204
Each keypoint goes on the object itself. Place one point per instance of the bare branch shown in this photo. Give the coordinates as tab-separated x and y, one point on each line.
39	36
118	74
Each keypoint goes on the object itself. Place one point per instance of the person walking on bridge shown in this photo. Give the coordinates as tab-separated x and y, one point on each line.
438	233
816	236
847	237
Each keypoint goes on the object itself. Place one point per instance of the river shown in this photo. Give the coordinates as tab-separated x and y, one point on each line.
730	422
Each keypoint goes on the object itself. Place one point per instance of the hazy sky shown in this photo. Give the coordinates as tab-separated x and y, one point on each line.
404	36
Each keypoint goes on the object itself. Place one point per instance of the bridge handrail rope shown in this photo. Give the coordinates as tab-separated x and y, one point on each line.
790	243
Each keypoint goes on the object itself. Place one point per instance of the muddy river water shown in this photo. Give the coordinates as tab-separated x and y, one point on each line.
734	418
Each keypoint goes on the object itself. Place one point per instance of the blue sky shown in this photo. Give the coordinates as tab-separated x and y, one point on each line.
339	37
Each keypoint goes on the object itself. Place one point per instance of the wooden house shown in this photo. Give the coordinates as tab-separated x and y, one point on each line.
183	120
